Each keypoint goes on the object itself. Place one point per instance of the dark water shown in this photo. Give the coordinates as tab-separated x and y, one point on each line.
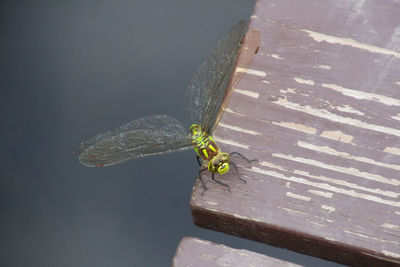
70	70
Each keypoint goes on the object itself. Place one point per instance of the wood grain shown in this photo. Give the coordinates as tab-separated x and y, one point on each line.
319	108
196	252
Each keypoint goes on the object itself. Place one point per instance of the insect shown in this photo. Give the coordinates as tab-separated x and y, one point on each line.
206	97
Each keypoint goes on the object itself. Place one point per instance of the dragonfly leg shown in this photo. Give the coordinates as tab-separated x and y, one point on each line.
243	157
198	160
237	172
221	183
202	181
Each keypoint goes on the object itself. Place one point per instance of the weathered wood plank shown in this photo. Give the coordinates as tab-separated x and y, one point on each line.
196	252
320	110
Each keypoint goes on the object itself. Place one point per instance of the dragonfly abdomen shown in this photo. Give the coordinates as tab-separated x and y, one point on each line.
203	144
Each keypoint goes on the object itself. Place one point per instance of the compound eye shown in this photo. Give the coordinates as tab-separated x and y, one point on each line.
224	168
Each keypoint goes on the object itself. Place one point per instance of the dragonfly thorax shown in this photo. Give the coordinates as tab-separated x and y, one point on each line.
207	149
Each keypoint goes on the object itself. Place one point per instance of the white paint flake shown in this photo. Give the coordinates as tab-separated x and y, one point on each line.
349	109
229	110
389	101
248	93
391	254
271	165
371	237
345	170
396	117
276	56
321	193
320	37
300	80
323	113
296	126
239	129
296	196
391	226
328	208
392	150
325	67
230	142
333	152
252	72
338	136
325	186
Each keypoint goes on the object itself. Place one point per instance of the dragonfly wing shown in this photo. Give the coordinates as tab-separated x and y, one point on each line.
150	135
249	49
212	75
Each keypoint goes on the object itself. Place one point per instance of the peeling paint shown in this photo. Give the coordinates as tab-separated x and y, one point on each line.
371	237
334	181
230	142
392	150
296	126
236	128
333	152
296	196
320	37
318	224
271	165
349	184
389	101
252	72
321	193
391	254
349	109
338	136
326	186
293	211
229	110
325	67
397	117
248	93
300	80
328	208
391	226
276	56
345	170
288	185
322	113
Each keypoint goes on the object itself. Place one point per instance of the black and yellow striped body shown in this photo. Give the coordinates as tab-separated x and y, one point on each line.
207	149
203	144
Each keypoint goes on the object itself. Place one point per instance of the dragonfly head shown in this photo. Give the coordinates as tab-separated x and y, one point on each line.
195	128
219	163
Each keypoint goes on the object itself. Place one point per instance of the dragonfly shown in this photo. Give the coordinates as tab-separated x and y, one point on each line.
206	97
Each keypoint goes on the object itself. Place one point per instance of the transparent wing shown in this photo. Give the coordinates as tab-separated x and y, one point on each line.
150	135
206	91
249	48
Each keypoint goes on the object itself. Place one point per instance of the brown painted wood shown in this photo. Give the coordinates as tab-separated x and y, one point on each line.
196	252
320	109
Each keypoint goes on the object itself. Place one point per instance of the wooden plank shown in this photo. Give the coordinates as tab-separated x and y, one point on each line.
196	252
320	110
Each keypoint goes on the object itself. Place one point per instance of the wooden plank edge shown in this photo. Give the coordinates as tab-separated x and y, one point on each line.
285	238
193	251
